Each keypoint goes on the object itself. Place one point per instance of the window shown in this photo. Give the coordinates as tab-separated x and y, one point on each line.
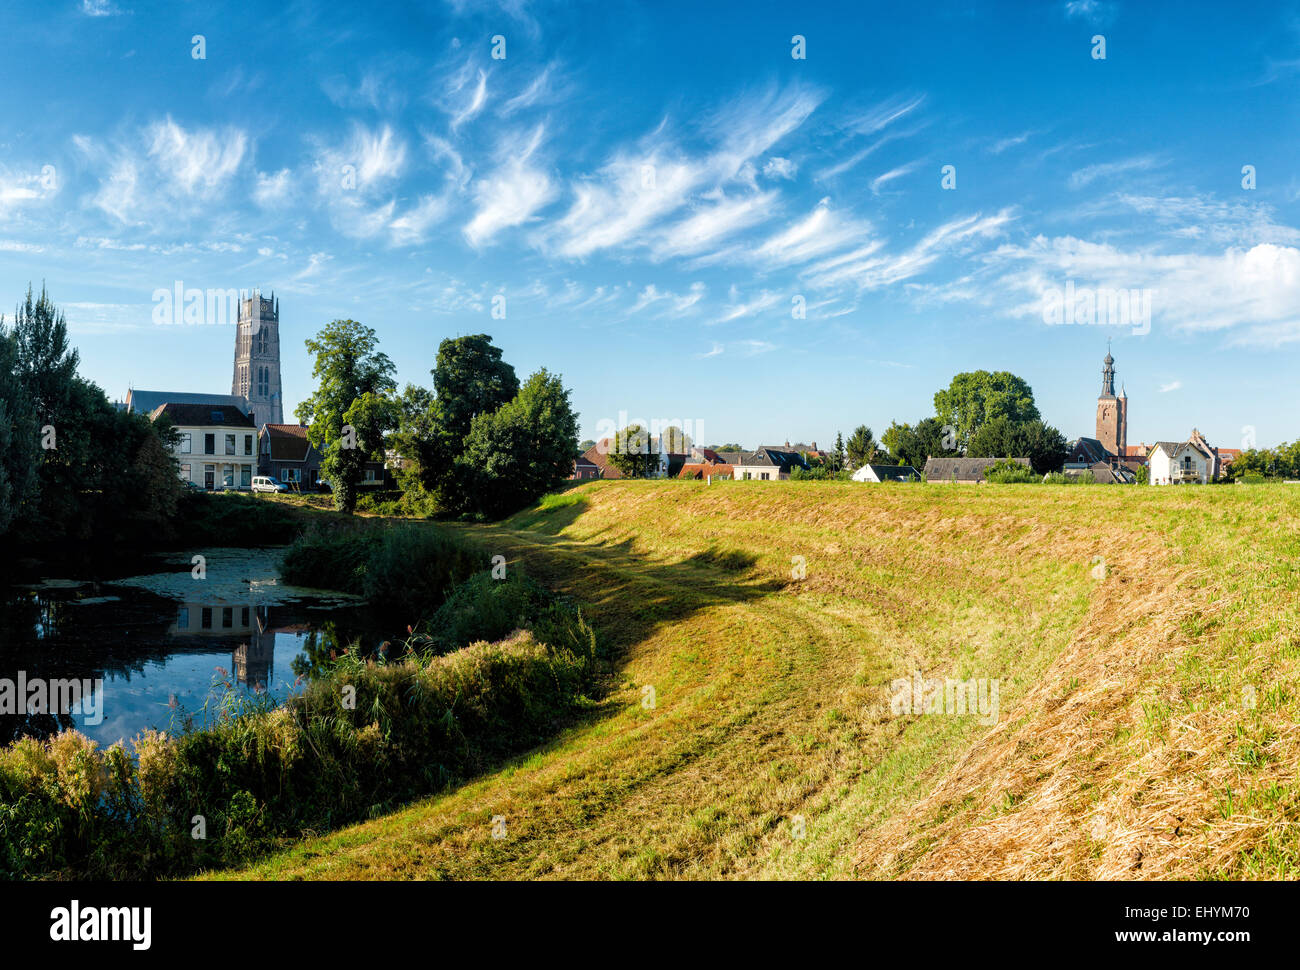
185	473
209	444
206	620
183	618
371	475
230	444
245	616
290	474
248	444
228	476
186	442
246	476
227	617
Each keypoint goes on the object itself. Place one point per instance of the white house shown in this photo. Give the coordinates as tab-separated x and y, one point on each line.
886	473
767	464
1194	461
1177	463
217	446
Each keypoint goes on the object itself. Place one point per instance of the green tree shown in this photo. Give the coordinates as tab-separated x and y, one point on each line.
913	445
1004	471
72	466
861	447
470	379
522	450
630	452
974	397
17	437
676	441
834	460
351	407
1001	437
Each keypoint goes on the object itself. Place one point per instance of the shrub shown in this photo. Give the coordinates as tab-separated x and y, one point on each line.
1005	471
487	609
235	520
409	568
69	810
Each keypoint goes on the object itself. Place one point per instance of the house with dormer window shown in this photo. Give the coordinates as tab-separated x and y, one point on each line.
216	445
1194	461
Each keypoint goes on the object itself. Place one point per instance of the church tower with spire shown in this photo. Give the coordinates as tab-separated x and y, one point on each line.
257	358
1112	410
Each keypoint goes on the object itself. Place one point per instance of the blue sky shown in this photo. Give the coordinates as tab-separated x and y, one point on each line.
653	188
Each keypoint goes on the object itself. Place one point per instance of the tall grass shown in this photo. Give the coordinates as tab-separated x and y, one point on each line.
502	663
359	741
406	568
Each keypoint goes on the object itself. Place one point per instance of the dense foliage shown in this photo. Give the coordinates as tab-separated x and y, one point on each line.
1259	464
408	568
480	445
352	407
976	397
1004	471
980	415
74	468
503	663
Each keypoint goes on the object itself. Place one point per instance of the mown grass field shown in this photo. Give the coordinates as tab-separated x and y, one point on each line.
1145	642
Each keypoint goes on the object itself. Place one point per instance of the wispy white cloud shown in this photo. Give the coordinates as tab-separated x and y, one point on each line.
273	188
880	181
624	204
777	167
1171	386
196	160
1108	170
514	192
100	8
1003	144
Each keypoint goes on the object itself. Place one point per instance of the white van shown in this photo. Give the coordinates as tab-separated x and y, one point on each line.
265	483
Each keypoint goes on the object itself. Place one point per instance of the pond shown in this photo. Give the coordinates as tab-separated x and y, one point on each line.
112	655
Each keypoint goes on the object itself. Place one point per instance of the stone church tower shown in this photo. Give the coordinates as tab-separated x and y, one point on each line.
1112	411
257	358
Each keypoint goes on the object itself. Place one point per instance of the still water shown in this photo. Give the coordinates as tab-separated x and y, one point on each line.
162	646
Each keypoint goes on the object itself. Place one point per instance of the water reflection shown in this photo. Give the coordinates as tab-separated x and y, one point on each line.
164	648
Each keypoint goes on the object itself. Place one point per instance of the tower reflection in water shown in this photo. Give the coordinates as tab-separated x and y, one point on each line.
249	628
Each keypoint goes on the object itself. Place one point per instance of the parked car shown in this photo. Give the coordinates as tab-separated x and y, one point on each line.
268	483
324	486
194	486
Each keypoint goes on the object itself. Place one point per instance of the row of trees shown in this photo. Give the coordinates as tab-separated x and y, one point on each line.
1260	463
981	414
72	466
478	443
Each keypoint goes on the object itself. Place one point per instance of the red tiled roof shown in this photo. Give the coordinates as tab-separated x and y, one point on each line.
288	442
701	469
601	461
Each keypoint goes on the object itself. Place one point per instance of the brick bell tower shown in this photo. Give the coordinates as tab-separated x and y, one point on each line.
257	358
1112	411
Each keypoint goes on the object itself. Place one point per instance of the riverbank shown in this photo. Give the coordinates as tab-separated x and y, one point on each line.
503	667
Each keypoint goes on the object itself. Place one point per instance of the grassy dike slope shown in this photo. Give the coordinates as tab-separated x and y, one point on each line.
1147	724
